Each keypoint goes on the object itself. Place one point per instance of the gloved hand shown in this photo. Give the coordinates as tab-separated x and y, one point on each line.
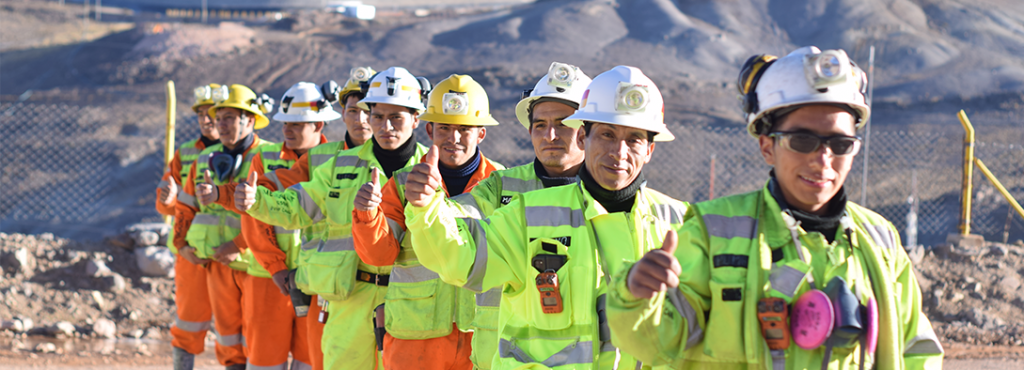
369	196
280	279
423	180
207	192
245	192
168	193
188	252
227	253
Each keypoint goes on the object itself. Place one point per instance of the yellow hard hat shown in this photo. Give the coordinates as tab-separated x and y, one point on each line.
241	97
357	76
203	95
458	100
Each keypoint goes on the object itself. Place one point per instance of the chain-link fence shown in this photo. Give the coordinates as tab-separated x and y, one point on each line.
89	170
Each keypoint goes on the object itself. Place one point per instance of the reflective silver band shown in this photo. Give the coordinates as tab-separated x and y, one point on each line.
319	159
189	152
250	366
686	311
281	231
232	222
518	185
336	245
469	206
412	274
230	340
271	156
882	236
162	183
401	178
924	343
490	298
187	199
307	203
475	280
312	244
539	216
192	326
206	219
730	227
576	353
786	279
299	365
273	177
347	161
672	213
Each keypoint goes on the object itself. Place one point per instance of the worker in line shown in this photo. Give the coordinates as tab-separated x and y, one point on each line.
553	249
357	133
350	288
213	233
792	276
558	157
427	322
191	300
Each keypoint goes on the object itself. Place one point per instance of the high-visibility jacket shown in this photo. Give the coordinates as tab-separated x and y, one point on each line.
492	193
739	249
265	258
177	171
499	252
207	227
330	272
418	305
283	178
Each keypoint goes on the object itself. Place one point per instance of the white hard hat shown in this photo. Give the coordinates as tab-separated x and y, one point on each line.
304	102
395	86
563	82
623	96
805	76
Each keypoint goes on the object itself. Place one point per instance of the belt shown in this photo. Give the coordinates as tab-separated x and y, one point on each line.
369	277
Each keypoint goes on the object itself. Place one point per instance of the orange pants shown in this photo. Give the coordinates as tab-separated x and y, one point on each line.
193	305
224	285
271	329
449	352
314	331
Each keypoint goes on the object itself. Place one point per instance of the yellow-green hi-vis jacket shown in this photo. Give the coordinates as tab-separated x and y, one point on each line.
498	252
494	192
330	272
710	321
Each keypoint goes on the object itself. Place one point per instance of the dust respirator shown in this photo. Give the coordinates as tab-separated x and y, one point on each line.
225	166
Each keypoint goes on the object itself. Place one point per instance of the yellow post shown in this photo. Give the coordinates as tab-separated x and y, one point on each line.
169	142
1002	190
965	195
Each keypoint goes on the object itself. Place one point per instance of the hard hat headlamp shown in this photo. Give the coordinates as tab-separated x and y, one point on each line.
202	93
219	94
828	68
632	98
561	75
360	74
455	104
263	103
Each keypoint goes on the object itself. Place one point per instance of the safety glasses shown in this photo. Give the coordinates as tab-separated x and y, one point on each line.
805	142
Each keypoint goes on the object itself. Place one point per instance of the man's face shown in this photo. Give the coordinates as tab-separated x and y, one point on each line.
301	135
616	154
457	143
206	124
356	121
555	144
392	125
231	127
809	181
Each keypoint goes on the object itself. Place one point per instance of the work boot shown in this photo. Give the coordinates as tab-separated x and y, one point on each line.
235	367
183	360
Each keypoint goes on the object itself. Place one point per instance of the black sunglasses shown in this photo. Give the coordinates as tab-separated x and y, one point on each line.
805	142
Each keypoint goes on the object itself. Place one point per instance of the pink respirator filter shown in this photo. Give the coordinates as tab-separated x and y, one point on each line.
812	319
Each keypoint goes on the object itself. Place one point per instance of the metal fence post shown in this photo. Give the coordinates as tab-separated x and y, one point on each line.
867	129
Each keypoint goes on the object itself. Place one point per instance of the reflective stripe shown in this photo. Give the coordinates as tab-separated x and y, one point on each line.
312	244
336	245
515	184
731	227
162	183
281	231
414	274
786	279
401	178
307	203
924	343
540	216
250	366
347	161
273	177
672	213
299	365
576	353
189	151
469	206
191	326
187	199
230	340
882	236
396	230
271	156
686	311
234	223
206	219
475	281
608	347
778	359
318	159
490	298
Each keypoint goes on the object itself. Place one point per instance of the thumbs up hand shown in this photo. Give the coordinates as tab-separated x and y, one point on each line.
657	271
423	180
245	192
168	193
207	192
369	196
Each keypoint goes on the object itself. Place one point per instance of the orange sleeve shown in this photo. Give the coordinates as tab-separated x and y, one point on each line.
174	168
371	233
296	174
184	213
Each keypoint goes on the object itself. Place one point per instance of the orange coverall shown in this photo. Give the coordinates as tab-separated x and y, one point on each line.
376	246
223	284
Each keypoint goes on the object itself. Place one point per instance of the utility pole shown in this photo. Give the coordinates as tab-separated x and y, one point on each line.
867	129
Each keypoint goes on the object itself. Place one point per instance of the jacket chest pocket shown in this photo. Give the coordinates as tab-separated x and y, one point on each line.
724	337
